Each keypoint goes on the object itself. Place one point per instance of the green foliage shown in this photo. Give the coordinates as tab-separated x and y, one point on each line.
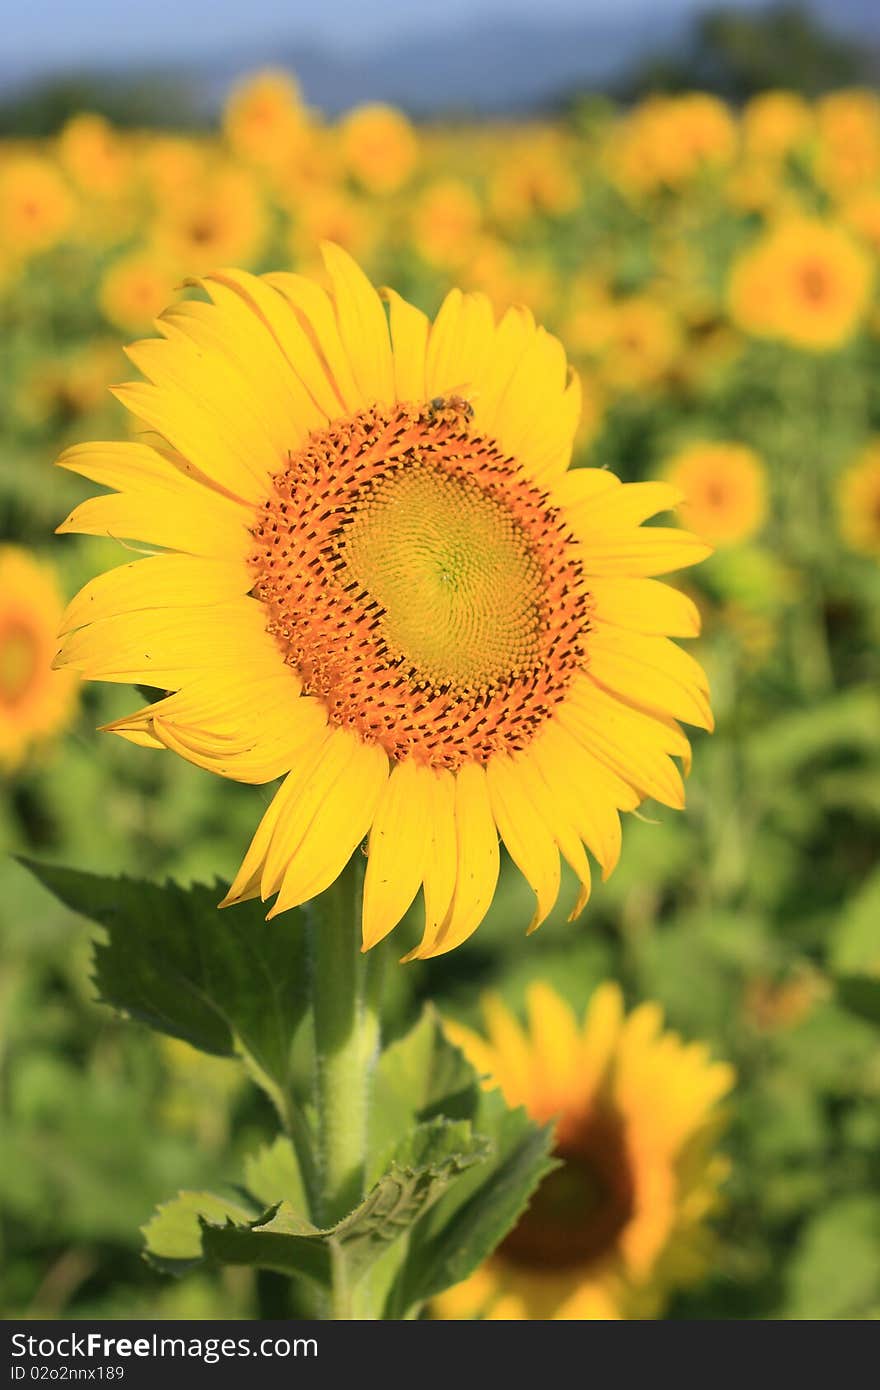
226	982
439	1199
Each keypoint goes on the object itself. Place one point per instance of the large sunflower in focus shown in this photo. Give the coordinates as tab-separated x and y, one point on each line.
622	1221
376	577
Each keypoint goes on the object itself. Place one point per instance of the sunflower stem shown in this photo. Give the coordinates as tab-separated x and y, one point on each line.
346	990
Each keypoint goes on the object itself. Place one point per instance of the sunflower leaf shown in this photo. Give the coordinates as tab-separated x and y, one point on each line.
419	1076
223	981
423	1075
860	994
200	1227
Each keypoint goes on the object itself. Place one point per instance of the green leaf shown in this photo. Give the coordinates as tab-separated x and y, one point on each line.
173	1234
418	1076
198	1226
465	1227
227	982
856	943
835	1273
783	746
272	1175
860	994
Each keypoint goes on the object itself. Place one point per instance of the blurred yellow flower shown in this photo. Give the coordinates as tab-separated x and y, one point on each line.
774	124
94	155
35	701
219	221
169	165
804	281
63	388
265	120
36	205
379	147
331	214
535	176
622	1222
636	341
724	490
668	141
446	220
135	289
861	213
858	499
848	140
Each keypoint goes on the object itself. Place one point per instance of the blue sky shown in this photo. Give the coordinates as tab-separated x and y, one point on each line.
44	34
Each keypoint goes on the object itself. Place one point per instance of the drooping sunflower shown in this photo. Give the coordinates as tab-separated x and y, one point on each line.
379	579
622	1222
35	701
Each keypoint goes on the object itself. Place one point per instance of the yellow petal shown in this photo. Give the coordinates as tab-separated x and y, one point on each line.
314	312
529	842
363	326
628	505
333	814
441	859
409	336
652	672
156	503
459	345
478	862
628	741
645	605
398	845
321	399
163	581
642	551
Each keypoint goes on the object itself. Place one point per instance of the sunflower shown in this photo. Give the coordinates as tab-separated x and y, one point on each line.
94	156
379	580
222	218
378	147
621	1222
136	288
446	222
535	178
724	488
848	147
636	342
806	282
35	701
666	142
858	502
774	124
36	205
265	120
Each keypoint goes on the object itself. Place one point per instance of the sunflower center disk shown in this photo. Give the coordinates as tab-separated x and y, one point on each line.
453	572
421	585
580	1210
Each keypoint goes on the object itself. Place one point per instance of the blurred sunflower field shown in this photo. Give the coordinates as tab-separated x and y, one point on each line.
709	1029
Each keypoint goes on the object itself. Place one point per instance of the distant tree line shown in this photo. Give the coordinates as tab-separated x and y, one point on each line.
736	54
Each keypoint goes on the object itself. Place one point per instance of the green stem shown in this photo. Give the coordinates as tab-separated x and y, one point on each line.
346	986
